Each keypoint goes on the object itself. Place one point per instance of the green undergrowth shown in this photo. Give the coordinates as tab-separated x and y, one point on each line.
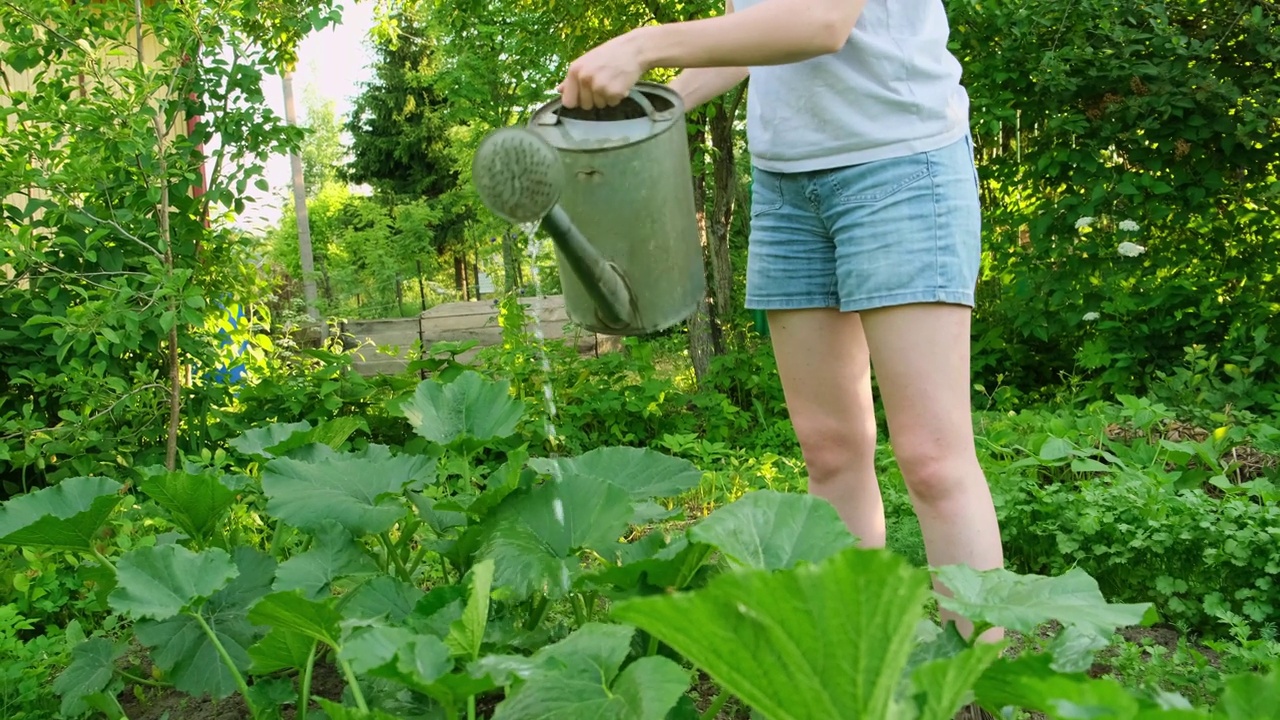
467	573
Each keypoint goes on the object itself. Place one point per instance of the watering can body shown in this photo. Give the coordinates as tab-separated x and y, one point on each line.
628	190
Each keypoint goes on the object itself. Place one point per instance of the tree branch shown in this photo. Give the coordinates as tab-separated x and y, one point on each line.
162	217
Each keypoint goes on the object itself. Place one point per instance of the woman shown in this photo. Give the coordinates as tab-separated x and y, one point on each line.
865	237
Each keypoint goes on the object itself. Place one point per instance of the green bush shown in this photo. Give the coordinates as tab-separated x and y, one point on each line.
1098	124
1149	506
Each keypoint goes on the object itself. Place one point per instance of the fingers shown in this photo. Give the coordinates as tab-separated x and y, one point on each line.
589	91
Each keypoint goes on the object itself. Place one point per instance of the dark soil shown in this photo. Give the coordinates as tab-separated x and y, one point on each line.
327	682
168	704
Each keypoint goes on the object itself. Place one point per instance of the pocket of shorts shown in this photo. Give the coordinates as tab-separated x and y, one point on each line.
766	192
876	181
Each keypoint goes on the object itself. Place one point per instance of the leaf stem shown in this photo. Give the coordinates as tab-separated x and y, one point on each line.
140	680
277	538
304	692
407	533
417	560
579	610
653	645
471	707
103	559
226	659
356	693
393	556
539	612
713	710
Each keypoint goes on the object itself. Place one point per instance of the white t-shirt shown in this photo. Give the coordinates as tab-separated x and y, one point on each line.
893	89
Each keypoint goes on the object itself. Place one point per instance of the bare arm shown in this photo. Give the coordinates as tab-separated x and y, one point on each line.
698	85
774	32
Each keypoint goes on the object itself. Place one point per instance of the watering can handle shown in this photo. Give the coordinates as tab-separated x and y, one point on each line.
649	110
647	106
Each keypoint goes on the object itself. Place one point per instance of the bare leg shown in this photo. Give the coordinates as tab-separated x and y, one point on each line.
921	357
826	377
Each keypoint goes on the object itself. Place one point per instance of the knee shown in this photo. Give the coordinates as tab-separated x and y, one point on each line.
935	471
832	449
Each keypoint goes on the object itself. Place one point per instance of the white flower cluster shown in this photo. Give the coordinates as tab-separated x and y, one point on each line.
1129	249
1090	316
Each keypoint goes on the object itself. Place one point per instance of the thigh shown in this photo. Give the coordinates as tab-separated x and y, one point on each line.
921	359
824	364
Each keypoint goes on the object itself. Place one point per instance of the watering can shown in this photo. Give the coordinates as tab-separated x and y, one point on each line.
613	189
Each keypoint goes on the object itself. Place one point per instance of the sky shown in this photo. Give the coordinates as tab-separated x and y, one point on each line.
333	63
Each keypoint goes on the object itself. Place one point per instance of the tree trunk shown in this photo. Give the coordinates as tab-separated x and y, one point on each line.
460	279
704	335
510	263
724	189
300	212
166	238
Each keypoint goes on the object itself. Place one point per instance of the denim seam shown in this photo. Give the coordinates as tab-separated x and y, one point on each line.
793	302
937	224
941	295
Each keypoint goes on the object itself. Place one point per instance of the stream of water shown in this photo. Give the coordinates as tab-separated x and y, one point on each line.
535	247
548	392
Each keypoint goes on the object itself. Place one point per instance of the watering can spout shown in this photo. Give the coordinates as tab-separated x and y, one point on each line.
615	305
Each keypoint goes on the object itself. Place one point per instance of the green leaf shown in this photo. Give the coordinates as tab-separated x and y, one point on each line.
160	582
363	492
93	664
827	640
673	566
281	649
280	439
66	516
334	432
291	611
524	563
334	554
273	440
1030	683
1250	696
195	502
771	530
945	685
182	648
1024	602
383	597
470	407
392	653
436	612
467	634
578	677
642	472
533	537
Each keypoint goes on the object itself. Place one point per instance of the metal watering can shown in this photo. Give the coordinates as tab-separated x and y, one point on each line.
613	189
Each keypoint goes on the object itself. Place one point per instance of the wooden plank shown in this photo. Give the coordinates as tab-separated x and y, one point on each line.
458	322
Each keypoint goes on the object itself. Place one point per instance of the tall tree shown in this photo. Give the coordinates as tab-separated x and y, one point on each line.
322	150
400	133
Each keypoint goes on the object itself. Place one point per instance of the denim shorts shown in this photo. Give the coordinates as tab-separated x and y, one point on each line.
889	232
